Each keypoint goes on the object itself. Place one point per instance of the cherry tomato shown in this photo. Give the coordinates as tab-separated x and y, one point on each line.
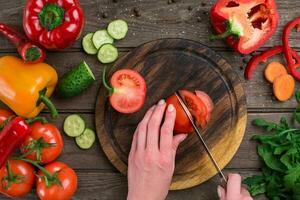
45	142
4	115
67	187
20	181
195	106
129	91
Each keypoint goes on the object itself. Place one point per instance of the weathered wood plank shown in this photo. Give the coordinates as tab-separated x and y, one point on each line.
97	185
95	159
158	19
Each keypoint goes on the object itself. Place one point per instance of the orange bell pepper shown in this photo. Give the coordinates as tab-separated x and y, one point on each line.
26	88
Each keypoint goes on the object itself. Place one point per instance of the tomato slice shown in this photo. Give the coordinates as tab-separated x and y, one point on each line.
196	107
207	101
129	91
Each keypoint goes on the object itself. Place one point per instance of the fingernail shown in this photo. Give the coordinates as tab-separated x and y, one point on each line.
219	190
171	108
161	102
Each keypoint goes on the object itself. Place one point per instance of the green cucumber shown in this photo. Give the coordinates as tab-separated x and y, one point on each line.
75	81
101	37
88	45
108	53
74	125
86	139
117	29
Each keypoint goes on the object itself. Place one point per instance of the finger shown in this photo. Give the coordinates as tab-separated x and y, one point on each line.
154	126
177	140
142	129
221	193
166	133
245	192
134	141
234	185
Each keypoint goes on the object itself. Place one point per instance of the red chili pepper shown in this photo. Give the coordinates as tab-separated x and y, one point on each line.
263	57
287	49
11	137
30	52
246	24
55	24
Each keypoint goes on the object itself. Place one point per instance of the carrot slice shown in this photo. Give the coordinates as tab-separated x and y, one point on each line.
274	70
283	87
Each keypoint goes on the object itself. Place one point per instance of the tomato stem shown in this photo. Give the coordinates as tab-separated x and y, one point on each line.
43	120
109	88
11	178
6	122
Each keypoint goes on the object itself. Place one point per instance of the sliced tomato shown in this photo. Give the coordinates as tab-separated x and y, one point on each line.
207	101
196	107
182	123
128	92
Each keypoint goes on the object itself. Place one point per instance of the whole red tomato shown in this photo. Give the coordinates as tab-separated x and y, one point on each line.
62	188
4	115
17	178
45	142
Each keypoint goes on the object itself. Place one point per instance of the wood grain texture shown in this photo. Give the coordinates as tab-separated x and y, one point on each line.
158	19
170	65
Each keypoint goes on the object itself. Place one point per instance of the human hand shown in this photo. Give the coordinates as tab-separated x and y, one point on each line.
152	157
234	190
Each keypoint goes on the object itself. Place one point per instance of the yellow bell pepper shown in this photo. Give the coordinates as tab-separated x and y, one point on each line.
25	88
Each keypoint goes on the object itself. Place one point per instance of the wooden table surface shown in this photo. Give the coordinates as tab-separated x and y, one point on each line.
149	20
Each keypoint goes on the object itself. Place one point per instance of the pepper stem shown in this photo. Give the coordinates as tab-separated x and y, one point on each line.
32	54
109	88
37	119
44	99
51	16
232	28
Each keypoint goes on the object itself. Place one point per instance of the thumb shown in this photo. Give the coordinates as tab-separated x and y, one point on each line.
221	193
177	139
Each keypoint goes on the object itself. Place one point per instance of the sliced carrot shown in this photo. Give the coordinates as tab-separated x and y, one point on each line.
274	70
283	87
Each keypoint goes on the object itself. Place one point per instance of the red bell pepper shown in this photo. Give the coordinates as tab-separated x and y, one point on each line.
287	49
30	52
11	137
245	24
55	24
263	57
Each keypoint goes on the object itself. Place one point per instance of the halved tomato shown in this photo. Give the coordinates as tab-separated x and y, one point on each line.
196	107
128	91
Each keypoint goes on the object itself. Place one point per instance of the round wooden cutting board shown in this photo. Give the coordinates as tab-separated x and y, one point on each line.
167	66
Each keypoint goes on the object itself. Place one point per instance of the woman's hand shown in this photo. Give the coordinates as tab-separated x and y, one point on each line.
152	156
234	190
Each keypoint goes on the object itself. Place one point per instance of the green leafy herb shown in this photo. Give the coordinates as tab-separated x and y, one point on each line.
279	151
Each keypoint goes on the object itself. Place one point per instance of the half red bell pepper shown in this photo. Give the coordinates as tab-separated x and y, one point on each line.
11	137
246	24
55	24
287	49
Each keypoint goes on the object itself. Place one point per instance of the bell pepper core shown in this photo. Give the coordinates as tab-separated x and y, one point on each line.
55	24
287	49
27	91
245	24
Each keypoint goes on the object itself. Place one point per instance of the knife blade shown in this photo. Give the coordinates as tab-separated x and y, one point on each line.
190	117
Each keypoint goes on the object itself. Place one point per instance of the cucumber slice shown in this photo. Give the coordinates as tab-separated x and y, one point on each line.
117	29
86	139
74	125
108	53
101	37
88	45
75	81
